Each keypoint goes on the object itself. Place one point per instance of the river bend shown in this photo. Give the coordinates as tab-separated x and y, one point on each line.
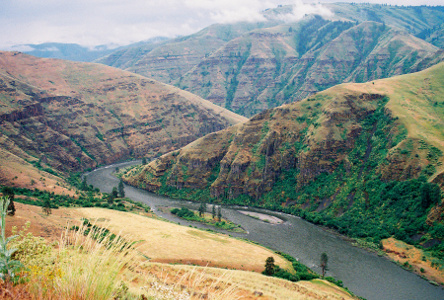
364	273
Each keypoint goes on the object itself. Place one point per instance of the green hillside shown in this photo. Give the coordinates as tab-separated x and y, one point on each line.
361	158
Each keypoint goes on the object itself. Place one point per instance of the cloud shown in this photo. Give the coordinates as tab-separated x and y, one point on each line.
97	22
231	11
301	9
20	48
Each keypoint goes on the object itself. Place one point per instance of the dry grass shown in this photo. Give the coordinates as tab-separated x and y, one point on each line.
401	252
82	268
168	242
213	283
49	227
75	264
14	171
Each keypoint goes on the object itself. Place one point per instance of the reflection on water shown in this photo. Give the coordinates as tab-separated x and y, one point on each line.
365	274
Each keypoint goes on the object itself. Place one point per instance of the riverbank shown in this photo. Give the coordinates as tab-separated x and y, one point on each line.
263	217
206	219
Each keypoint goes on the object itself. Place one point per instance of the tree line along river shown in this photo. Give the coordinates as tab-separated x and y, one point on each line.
365	274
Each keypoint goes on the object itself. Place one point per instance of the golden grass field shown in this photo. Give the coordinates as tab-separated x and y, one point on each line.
172	243
177	245
401	252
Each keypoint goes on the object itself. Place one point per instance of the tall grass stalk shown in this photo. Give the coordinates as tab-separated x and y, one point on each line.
85	268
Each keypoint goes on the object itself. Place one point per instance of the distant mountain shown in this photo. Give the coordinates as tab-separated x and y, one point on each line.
434	35
413	19
175	57
59	116
361	158
75	52
250	67
269	67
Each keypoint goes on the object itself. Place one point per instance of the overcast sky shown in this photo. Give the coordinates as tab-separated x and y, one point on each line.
95	22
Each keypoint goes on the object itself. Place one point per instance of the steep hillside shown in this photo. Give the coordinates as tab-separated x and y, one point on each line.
60	116
351	153
283	64
174	58
414	19
434	35
250	67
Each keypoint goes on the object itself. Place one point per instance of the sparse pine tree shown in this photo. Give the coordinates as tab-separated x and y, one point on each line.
47	206
84	185
114	193
269	266
110	199
121	189
324	261
143	161
219	213
202	209
213	212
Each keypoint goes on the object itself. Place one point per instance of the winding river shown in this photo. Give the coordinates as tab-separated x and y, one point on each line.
364	273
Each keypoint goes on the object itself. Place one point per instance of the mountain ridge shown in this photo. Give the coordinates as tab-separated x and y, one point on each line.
65	116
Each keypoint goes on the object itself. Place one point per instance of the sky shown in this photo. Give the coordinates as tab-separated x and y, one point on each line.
121	22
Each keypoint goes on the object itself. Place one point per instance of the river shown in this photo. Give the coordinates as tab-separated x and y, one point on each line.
365	274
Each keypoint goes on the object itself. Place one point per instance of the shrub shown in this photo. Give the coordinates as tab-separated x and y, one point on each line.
9	268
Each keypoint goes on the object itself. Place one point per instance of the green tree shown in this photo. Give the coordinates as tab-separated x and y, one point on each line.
121	189
110	199
269	266
202	209
430	194
115	193
324	261
219	213
143	161
213	212
84	184
9	193
47	206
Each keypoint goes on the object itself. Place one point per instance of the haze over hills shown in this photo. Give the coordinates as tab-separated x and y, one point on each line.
174	58
349	153
77	52
65	116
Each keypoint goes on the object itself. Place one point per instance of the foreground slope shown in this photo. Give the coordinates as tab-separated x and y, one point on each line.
183	246
61	116
350	153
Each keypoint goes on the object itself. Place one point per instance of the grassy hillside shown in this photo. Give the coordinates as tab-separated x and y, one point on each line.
59	117
128	274
351	153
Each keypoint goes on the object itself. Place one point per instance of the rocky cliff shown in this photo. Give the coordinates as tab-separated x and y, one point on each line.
65	116
334	156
